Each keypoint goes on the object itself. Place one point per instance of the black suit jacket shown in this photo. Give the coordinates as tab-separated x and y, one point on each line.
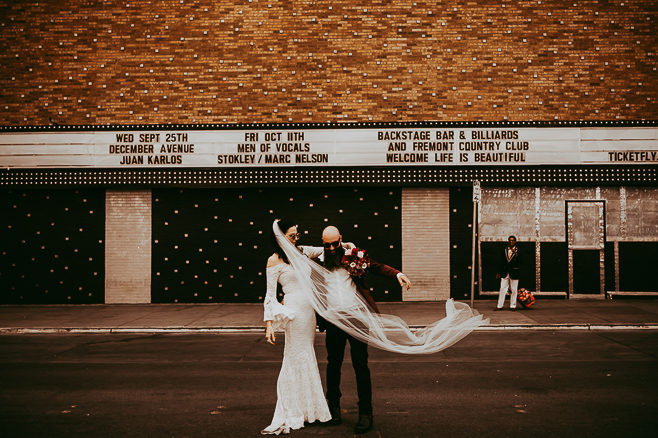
511	266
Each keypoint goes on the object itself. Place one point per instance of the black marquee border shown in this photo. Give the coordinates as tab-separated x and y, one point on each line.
341	125
583	175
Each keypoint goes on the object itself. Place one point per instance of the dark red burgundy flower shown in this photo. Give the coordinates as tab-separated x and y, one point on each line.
356	261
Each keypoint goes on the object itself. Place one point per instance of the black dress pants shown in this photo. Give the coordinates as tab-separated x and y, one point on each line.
336	340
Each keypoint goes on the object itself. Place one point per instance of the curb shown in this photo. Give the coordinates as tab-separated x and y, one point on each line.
257	329
141	330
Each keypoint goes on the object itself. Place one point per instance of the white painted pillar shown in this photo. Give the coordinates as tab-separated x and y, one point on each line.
426	243
128	246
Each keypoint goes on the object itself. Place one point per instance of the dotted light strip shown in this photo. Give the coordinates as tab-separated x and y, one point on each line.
499	176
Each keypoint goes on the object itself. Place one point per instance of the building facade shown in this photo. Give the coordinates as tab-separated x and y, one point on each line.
92	215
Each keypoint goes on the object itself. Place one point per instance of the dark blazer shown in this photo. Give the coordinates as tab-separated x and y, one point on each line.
377	269
511	266
361	286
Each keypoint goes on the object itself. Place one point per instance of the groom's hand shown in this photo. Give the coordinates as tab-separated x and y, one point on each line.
404	281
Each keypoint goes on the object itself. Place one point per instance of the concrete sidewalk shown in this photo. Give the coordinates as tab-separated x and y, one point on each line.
551	314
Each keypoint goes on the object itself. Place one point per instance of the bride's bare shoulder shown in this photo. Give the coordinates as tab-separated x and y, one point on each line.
274	260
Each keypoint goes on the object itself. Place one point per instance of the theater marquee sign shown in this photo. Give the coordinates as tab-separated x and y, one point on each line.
329	147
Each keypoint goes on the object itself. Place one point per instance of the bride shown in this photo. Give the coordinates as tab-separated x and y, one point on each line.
309	287
299	389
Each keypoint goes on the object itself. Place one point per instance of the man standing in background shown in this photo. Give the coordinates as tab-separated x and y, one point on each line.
508	273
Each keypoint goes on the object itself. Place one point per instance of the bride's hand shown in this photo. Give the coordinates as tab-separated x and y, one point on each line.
269	333
348	245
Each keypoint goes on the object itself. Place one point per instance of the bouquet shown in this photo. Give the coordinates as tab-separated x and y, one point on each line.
356	261
525	298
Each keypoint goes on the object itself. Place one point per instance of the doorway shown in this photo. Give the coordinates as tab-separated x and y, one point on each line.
585	226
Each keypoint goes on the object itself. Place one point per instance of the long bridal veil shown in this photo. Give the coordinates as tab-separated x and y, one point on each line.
339	303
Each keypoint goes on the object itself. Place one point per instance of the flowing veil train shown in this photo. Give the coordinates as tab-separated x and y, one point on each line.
340	303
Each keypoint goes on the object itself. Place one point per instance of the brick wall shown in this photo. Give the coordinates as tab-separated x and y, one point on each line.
426	243
128	246
84	62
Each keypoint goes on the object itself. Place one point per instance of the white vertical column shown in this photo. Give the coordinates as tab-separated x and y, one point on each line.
537	239
128	246
426	243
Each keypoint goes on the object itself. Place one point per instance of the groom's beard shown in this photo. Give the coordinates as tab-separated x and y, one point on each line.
334	259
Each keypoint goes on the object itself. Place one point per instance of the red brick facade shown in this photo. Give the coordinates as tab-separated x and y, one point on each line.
242	61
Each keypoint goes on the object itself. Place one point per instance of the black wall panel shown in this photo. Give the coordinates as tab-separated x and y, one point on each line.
491	261
461	236
586	271
212	245
490	264
52	246
637	266
609	266
554	274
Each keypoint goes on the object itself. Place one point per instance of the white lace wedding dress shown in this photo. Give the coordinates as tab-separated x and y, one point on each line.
299	389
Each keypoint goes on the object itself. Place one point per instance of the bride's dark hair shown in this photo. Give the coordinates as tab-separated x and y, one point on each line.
284	225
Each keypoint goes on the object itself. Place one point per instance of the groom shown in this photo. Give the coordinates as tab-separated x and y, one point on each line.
332	259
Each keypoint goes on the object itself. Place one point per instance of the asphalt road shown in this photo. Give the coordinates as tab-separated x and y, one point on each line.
491	384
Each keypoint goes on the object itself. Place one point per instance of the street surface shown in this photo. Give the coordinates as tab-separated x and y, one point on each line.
491	384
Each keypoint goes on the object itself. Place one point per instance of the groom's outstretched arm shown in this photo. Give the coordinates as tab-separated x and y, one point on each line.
388	271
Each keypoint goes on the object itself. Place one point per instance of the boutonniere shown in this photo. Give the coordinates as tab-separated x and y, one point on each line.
356	261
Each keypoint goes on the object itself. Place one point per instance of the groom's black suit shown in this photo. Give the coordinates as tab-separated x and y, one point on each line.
337	338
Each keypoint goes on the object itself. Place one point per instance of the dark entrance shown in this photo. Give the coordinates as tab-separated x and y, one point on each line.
585	225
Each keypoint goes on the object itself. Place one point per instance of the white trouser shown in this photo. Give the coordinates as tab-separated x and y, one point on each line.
505	284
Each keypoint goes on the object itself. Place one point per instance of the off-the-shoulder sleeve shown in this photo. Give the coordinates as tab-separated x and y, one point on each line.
312	252
273	310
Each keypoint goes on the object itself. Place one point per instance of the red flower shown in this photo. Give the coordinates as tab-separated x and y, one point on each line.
356	261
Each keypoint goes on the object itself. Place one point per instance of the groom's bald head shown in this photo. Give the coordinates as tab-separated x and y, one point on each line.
333	251
330	234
